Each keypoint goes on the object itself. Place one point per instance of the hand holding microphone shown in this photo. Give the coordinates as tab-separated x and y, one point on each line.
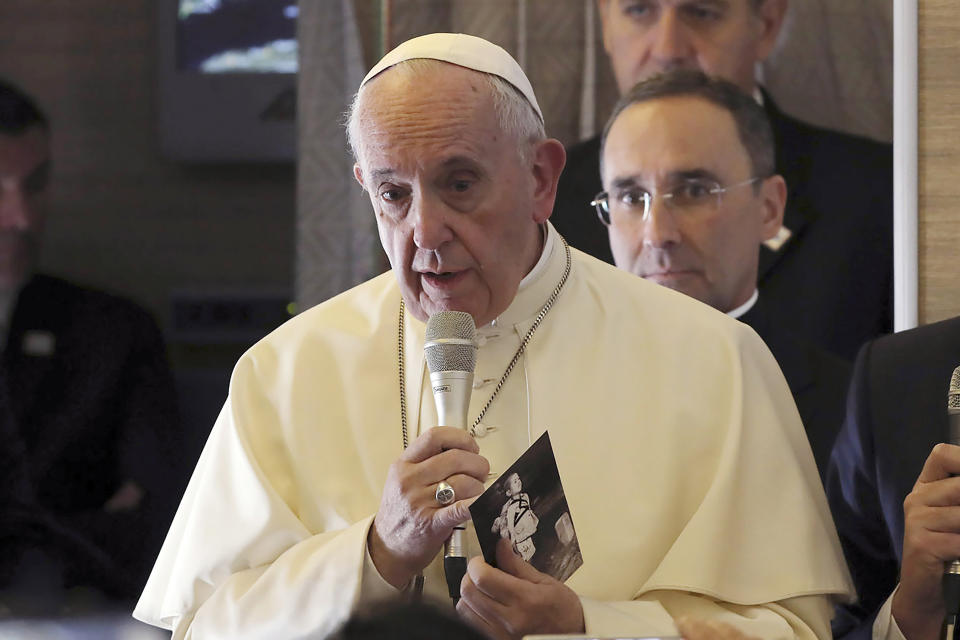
451	351
929	587
411	524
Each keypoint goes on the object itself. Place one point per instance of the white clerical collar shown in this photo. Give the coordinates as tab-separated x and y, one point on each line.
537	285
746	306
758	95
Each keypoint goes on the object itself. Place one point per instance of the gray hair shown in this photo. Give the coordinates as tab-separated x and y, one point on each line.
516	116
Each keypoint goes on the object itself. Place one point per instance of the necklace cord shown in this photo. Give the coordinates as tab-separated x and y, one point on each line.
544	310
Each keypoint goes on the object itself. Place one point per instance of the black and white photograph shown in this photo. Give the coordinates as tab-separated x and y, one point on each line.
527	506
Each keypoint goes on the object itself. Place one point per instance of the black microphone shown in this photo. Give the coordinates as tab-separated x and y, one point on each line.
951	574
450	348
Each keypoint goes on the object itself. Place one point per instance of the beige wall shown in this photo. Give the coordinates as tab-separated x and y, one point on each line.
939	161
124	218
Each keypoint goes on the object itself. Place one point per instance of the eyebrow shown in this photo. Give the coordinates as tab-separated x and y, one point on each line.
716	4
381	173
451	162
673	177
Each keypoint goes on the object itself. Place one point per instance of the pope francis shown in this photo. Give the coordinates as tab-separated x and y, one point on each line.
685	466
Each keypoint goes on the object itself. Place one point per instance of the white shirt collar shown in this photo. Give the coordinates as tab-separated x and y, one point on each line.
537	285
746	306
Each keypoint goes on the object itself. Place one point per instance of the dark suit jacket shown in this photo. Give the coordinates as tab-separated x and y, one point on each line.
817	379
896	413
90	403
832	280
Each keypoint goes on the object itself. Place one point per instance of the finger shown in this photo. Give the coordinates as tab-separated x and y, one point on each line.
695	629
510	562
464	487
933	518
474	619
453	514
437	440
494	583
937	493
942	462
452	462
938	546
493	612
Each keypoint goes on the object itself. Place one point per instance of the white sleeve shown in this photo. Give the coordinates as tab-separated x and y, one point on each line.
885	625
239	562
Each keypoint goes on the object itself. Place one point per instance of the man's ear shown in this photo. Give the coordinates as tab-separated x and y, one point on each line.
771	14
549	157
358	174
773	195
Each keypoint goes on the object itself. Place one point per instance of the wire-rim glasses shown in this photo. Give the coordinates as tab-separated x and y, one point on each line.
688	196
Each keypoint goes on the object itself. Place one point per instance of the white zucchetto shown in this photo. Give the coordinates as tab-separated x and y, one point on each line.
465	51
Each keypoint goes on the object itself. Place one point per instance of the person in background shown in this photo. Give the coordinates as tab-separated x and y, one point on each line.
87	408
826	273
892	484
690	194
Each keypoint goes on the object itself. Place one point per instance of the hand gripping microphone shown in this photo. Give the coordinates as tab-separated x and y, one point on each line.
951	574
451	351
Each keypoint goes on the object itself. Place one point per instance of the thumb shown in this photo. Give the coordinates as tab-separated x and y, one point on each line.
510	562
454	514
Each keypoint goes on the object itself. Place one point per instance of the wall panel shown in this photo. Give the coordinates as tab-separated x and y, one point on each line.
939	160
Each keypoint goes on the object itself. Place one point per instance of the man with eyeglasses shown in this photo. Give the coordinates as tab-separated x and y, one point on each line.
827	273
691	193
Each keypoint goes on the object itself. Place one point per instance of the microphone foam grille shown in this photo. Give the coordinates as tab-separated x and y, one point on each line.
451	325
451	357
953	396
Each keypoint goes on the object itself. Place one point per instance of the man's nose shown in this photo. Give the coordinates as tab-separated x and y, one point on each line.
431	227
15	211
671	43
660	228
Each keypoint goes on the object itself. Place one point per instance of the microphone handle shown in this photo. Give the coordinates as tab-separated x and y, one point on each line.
451	393
951	573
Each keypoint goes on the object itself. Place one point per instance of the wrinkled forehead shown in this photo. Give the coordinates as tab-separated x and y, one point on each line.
674	134
439	112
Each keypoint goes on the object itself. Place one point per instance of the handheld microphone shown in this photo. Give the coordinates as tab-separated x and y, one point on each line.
951	574
451	351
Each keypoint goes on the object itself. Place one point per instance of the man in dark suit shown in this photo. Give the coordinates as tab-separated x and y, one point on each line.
88	414
827	274
690	194
894	526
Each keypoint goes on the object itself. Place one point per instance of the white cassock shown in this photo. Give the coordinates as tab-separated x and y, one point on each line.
685	466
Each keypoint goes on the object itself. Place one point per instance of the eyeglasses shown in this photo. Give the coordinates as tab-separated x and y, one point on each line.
688	197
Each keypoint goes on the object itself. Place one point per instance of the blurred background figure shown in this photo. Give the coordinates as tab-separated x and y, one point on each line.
890	484
827	272
406	621
88	415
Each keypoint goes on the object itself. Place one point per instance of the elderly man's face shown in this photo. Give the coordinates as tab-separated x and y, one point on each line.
24	169
457	209
710	253
724	38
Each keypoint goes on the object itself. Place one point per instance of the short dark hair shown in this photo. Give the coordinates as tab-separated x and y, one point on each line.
18	111
753	127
